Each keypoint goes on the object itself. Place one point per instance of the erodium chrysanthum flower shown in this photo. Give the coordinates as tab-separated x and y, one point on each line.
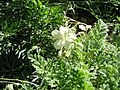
82	27
64	38
85	27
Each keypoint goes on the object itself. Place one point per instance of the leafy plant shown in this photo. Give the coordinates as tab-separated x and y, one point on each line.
93	67
102	58
29	58
23	24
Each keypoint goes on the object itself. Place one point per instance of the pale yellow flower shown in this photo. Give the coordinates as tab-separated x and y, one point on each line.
82	27
88	27
63	37
85	27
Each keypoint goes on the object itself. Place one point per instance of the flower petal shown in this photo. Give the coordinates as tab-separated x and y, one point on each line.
63	30
88	27
67	44
56	34
58	44
82	27
72	36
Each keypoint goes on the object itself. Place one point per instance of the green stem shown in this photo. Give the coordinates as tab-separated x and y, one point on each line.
14	81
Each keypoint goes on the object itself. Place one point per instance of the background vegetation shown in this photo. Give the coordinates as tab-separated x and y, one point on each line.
29	61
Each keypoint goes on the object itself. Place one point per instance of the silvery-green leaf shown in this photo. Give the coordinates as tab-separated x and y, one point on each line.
68	52
60	53
80	44
72	45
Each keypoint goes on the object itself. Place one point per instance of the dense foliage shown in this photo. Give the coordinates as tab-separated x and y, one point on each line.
50	45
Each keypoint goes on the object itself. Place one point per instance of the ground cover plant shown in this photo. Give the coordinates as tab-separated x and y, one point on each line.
59	45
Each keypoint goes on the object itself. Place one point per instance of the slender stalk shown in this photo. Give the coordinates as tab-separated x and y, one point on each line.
14	81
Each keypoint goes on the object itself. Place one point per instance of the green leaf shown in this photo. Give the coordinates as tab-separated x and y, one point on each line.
118	18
